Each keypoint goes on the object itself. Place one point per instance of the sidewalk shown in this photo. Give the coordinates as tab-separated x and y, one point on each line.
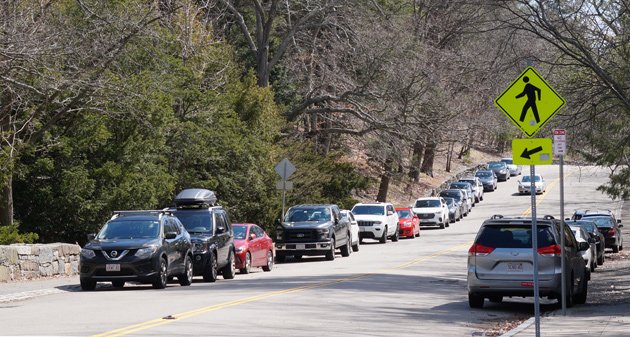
23	290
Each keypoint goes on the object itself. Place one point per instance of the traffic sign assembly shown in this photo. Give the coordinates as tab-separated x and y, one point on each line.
532	151
559	142
529	102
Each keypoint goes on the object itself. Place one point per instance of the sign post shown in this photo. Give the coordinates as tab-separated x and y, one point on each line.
284	169
530	102
559	149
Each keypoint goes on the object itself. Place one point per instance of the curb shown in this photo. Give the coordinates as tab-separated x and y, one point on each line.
519	328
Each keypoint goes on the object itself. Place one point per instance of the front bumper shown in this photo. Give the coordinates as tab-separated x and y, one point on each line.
131	269
406	231
302	248
527	189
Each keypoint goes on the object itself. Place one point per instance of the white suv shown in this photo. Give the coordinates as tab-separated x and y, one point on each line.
377	221
432	211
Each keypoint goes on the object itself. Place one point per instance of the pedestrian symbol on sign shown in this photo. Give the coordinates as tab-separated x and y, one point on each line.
531	92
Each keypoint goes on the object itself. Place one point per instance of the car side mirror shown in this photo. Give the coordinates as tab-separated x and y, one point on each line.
91	236
620	225
582	246
390	213
220	229
591	240
170	235
252	236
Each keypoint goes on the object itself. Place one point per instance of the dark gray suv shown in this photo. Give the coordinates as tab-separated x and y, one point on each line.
500	262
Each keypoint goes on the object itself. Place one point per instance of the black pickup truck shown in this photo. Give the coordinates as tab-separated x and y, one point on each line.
210	232
313	230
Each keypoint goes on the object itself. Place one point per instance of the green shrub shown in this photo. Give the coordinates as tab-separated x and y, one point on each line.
11	234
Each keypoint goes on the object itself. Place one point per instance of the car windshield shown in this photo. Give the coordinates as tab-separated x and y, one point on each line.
507	161
130	229
240	232
450	202
368	210
496	165
460	185
301	214
514	236
587	225
452	194
428	203
196	221
484	174
404	213
601	221
527	179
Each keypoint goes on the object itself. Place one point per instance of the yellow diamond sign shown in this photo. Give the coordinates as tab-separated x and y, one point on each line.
532	151
529	102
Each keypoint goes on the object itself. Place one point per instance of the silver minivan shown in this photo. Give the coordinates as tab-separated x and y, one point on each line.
500	261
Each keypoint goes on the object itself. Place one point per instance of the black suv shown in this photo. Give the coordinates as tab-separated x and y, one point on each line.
210	230
313	230
139	246
607	224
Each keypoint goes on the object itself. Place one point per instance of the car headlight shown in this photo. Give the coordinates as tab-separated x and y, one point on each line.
144	253
323	233
199	247
407	223
88	253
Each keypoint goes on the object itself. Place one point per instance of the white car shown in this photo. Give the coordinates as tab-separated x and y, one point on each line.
432	211
377	220
589	255
524	185
354	228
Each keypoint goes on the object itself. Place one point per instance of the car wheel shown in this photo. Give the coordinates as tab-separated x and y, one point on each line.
384	236
475	300
347	248
330	255
248	264
211	274
280	258
229	270
161	278
395	236
441	225
186	278
87	284
600	259
298	257
418	235
615	249
269	265
355	247
581	297
118	284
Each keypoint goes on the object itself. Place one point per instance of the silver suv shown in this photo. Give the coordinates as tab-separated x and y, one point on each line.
500	262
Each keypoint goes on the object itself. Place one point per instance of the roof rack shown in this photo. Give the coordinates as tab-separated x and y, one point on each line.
196	197
497	216
548	217
119	214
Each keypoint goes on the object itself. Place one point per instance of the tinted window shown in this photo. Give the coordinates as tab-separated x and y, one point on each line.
308	214
196	221
514	236
457	195
368	210
496	165
527	179
258	231
428	203
404	213
460	185
170	226
484	174
240	232
130	229
602	221
450	202
507	161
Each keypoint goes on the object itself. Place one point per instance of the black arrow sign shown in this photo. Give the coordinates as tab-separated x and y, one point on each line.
526	154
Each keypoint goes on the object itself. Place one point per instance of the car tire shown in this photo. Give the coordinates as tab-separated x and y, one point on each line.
330	255
396	236
161	279
615	249
346	250
87	284
569	297
280	258
186	278
600	259
441	225
355	247
229	270
248	264
269	266
211	273
383	238
581	297
475	300
118	284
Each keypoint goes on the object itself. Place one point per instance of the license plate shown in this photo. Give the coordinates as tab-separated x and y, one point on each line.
112	267
515	267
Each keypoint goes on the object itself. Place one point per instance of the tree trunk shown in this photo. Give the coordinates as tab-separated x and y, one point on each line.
262	66
6	203
384	186
449	156
429	156
416	160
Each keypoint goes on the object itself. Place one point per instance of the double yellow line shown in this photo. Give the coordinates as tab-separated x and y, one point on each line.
540	199
187	314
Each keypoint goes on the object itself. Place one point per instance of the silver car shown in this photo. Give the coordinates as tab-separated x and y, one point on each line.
500	262
515	170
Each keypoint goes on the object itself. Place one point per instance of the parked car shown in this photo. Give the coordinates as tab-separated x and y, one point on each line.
524	185
432	211
469	200
138	246
610	229
477	187
460	197
408	223
581	215
500	169
600	239
466	187
588	255
454	209
210	231
354	228
500	261
313	230
377	220
515	170
253	247
488	179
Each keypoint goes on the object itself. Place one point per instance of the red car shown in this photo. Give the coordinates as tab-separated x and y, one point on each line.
254	248
408	223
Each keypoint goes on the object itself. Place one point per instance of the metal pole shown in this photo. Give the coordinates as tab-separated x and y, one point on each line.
532	174
284	194
563	276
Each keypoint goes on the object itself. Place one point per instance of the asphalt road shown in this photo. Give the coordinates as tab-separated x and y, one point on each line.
412	287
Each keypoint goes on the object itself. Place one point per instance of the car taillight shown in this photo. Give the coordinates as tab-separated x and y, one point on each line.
479	250
612	231
552	250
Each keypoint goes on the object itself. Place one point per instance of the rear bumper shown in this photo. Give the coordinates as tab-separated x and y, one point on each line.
523	287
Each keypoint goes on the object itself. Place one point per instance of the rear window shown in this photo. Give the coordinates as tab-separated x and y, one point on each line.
514	236
195	221
600	221
368	210
404	213
428	203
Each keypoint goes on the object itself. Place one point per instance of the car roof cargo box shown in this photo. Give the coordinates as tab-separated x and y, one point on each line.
196	196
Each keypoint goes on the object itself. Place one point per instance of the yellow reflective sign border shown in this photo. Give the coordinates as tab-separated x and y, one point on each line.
532	151
545	100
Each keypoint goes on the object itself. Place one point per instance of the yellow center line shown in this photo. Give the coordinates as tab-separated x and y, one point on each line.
187	314
540	199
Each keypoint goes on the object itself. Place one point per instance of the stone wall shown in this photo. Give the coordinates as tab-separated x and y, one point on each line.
22	262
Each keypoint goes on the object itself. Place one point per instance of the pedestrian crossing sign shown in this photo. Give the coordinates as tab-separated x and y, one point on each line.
529	102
